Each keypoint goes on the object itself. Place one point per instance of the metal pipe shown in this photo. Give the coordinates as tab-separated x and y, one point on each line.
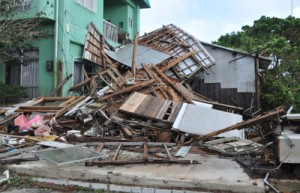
56	44
270	185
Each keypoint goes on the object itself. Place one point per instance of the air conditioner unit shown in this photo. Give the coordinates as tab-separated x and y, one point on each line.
288	148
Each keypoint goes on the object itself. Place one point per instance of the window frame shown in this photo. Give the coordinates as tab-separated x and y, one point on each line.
85	4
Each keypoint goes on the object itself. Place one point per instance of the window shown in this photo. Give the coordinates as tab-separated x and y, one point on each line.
89	4
130	22
20	4
78	73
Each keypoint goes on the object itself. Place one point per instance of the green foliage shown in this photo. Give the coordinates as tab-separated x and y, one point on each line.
11	91
16	33
278	39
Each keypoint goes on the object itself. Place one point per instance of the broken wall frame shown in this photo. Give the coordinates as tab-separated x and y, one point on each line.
172	40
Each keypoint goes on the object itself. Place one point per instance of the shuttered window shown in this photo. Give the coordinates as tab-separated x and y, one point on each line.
89	4
20	5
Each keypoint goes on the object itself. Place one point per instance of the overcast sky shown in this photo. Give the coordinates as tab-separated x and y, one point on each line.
209	19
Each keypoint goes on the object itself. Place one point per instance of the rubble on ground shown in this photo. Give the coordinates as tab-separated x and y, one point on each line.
139	108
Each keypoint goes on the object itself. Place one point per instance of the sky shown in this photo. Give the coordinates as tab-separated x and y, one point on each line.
209	19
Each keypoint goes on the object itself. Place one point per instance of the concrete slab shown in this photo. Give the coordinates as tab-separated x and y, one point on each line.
213	173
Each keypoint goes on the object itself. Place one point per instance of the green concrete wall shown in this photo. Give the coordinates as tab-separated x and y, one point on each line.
74	20
46	7
46	53
121	11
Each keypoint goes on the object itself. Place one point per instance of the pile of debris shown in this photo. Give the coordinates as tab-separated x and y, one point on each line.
138	101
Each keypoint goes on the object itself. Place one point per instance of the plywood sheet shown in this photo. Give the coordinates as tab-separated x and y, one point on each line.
151	107
200	121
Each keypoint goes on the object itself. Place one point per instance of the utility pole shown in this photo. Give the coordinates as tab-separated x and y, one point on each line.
292	7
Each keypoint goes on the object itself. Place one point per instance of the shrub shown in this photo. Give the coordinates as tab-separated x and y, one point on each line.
11	91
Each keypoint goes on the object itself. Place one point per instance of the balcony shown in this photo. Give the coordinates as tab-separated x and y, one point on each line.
110	31
113	33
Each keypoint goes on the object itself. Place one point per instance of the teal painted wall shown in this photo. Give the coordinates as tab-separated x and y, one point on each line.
116	12
47	7
46	53
120	11
74	20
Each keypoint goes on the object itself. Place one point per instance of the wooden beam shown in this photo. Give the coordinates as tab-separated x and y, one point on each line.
83	83
126	132
167	151
121	121
67	108
146	156
128	89
250	122
60	85
177	60
150	161
117	152
72	99
36	110
134	54
174	86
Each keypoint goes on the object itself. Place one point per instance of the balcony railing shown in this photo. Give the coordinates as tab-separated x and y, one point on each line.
110	31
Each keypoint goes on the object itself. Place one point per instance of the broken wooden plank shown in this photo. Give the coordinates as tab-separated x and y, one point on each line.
168	153
174	86
19	158
121	121
250	122
126	132
39	108
134	54
151	107
55	99
150	161
83	83
146	156
59	86
67	108
127	144
177	60
128	89
72	99
117	152
18	151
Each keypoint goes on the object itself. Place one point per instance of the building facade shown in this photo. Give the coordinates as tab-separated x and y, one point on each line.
52	59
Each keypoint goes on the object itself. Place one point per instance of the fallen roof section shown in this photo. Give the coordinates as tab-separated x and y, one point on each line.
145	55
172	40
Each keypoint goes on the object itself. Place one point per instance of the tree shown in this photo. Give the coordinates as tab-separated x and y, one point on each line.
16	33
279	39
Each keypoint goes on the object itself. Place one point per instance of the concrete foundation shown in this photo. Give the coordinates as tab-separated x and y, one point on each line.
213	173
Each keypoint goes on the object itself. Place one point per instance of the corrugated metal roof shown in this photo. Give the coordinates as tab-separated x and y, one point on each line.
144	55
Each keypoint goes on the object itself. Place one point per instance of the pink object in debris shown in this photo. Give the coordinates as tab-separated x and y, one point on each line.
42	131
25	124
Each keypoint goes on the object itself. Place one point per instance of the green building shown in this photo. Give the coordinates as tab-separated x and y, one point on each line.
52	59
